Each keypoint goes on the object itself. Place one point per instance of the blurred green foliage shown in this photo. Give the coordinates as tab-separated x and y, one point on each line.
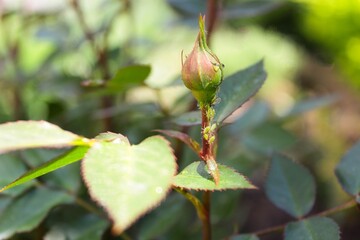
52	68
334	26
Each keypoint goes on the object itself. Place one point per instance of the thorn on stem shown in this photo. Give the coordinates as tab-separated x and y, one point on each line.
213	170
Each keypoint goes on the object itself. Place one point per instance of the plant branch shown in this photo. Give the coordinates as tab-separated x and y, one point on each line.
84	27
209	141
202	210
100	52
207	222
199	206
281	227
211	16
106	102
82	203
205	123
13	50
336	209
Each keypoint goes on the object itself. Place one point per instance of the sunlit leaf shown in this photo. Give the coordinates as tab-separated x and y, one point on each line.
238	88
67	158
33	134
195	176
28	210
316	228
348	170
129	180
67	177
290	186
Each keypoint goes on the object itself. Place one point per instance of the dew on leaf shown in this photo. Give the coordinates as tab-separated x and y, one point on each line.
159	190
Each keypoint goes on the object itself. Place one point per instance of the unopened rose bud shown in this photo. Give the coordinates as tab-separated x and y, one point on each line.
202	70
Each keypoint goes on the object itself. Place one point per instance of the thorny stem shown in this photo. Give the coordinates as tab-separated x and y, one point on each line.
207	222
327	212
211	18
209	141
208	146
207	154
208	136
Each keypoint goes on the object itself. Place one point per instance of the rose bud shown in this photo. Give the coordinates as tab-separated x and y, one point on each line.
202	70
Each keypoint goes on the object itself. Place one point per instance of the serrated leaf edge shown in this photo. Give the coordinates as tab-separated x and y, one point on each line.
222	189
117	229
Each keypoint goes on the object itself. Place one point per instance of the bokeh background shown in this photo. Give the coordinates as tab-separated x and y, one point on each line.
55	56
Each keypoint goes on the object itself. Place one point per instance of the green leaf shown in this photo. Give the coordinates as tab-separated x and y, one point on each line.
237	89
254	116
10	167
69	157
290	186
162	219
310	104
348	170
127	77
74	223
4	202
225	206
316	228
35	134
195	176
188	119
129	180
268	137
67	177
27	211
244	237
